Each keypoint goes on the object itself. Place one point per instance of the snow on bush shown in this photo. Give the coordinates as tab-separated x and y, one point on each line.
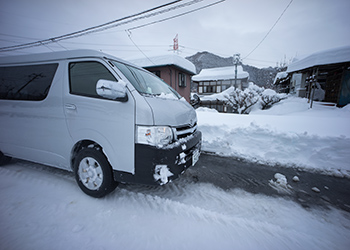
269	97
242	101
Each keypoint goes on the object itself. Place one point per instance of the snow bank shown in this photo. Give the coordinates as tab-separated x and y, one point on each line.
289	134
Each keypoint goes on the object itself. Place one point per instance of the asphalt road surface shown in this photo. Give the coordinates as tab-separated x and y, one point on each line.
231	173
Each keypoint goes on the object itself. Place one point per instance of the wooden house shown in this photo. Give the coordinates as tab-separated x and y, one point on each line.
326	72
173	69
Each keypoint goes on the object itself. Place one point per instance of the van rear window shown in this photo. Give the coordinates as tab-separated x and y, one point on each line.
31	82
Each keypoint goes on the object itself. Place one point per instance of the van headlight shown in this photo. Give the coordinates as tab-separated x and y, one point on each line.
154	135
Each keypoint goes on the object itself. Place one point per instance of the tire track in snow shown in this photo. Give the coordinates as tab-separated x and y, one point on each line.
182	214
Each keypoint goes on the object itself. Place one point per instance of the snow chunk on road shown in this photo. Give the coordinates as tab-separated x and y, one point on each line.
281	185
295	178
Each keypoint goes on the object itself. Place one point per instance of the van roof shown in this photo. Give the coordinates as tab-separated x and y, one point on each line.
60	55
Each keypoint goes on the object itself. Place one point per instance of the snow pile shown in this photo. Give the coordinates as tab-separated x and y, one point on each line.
168	96
280	184
289	134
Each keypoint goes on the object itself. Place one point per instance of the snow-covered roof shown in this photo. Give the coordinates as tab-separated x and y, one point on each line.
223	73
164	60
332	56
280	75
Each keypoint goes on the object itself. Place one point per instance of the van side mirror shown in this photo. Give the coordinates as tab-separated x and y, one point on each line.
195	100
112	90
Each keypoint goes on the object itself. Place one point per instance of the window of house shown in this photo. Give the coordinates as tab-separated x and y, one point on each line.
182	80
31	82
156	72
211	89
83	77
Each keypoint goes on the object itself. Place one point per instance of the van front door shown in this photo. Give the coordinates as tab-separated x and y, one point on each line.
90	117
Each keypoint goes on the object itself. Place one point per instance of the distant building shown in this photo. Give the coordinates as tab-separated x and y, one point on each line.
175	70
329	73
282	82
216	80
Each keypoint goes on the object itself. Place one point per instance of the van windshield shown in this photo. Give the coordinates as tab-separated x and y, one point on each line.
146	83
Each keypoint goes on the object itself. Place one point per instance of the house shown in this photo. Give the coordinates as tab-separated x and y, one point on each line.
282	82
327	72
175	70
216	80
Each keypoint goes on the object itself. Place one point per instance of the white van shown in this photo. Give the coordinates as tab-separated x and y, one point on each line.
105	119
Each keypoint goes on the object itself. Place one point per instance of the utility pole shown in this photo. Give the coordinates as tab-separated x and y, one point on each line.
236	60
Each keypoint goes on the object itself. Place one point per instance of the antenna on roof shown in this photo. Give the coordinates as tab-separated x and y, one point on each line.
176	43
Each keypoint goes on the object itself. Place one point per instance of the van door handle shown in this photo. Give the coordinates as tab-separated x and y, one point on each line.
70	106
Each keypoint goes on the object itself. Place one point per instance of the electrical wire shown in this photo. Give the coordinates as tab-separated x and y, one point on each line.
268	31
105	26
165	19
129	35
172	17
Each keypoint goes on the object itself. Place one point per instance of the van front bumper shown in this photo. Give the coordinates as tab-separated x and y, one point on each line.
157	166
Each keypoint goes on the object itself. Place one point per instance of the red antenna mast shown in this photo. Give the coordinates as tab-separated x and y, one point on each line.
176	43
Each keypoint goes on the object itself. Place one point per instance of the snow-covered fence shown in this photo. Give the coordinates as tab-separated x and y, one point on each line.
219	105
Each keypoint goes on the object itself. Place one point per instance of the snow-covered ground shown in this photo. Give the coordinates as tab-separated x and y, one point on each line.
289	134
43	208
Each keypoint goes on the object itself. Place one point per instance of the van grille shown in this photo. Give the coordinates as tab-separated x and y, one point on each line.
184	131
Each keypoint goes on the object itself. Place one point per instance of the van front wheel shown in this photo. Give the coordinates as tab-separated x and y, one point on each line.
93	173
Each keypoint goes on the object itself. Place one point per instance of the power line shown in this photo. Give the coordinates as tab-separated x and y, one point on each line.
172	17
104	26
165	19
269	30
129	35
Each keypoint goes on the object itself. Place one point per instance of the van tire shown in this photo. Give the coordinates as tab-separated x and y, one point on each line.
93	173
4	159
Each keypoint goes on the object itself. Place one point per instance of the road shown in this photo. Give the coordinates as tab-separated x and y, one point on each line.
231	173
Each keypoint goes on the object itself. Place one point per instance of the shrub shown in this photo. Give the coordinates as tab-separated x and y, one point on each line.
242	101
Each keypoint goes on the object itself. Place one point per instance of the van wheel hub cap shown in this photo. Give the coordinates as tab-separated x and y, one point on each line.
90	173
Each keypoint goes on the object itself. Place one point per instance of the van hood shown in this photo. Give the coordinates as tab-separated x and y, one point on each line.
171	112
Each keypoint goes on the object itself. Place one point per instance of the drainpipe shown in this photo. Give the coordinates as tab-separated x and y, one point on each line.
171	78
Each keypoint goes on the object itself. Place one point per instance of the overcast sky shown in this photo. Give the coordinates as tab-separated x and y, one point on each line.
224	29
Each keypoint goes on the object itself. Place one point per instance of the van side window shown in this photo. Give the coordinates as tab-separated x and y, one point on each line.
83	77
31	82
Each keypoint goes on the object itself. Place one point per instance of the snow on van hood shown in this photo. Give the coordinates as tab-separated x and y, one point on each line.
171	112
